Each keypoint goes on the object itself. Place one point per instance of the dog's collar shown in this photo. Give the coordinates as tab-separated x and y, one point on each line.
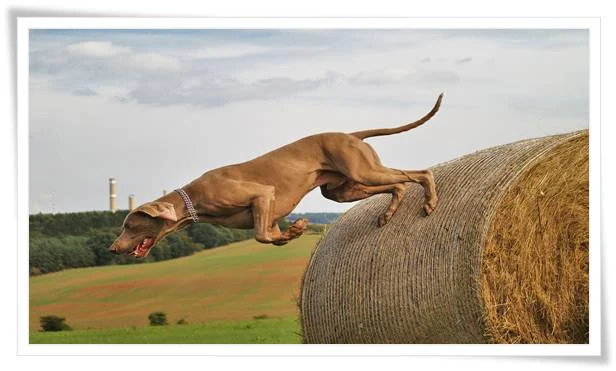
189	205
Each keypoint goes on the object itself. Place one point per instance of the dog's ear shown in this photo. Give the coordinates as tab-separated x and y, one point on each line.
158	209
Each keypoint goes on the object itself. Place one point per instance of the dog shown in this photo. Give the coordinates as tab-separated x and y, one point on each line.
257	193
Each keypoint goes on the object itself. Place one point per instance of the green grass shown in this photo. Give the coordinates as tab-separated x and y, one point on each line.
256	331
219	292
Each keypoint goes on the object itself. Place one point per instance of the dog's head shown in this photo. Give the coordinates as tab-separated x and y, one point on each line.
144	227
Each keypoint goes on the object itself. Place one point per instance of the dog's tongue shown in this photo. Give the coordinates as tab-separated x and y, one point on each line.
143	247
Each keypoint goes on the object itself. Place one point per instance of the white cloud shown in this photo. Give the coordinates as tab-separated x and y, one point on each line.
402	76
229	51
97	49
238	50
464	60
385	68
154	62
381	76
124	56
210	90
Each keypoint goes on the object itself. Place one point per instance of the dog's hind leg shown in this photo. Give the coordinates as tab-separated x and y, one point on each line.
352	191
423	177
381	175
359	162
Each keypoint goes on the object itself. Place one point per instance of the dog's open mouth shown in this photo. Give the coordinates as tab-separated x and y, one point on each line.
143	248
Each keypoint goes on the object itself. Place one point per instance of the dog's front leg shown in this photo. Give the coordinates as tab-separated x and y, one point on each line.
262	211
266	228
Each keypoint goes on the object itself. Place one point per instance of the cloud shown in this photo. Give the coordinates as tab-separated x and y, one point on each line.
154	62
208	89
574	107
96	49
166	77
239	50
401	76
439	78
85	92
229	51
463	60
211	68
381	76
524	38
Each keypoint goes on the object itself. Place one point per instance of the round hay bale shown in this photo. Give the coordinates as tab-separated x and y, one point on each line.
503	258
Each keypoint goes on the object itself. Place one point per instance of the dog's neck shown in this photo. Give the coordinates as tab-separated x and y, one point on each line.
181	210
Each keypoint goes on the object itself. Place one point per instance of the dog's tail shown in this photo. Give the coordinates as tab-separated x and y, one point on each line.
377	132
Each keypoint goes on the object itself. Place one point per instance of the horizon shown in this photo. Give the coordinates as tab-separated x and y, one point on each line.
127	210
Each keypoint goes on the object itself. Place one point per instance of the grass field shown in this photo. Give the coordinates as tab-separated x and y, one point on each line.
256	331
219	292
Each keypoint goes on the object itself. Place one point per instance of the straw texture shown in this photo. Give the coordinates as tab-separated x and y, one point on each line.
430	279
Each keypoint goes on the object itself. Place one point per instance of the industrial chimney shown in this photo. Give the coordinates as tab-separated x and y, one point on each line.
113	205
131	202
164	192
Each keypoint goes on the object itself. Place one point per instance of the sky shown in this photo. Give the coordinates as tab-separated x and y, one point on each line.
157	108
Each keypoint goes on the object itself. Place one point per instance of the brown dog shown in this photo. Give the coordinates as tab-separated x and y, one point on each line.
255	194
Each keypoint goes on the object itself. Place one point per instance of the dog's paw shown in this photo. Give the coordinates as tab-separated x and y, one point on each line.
428	209
299	226
296	229
430	204
383	219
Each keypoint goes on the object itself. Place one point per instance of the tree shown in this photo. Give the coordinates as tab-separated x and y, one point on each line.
44	258
283	224
75	253
179	244
158	319
54	323
55	225
72	240
99	242
225	236
204	234
50	254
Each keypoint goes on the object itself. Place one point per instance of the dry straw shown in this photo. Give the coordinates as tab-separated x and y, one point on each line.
503	259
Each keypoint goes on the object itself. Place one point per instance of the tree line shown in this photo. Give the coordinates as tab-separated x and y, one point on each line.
315	218
75	240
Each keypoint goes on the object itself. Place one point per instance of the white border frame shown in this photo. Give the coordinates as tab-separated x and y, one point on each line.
595	275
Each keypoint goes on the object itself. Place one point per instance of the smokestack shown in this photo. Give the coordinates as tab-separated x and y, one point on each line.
113	205
164	192
131	202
